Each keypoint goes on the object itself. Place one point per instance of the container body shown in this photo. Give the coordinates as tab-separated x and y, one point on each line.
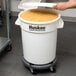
39	48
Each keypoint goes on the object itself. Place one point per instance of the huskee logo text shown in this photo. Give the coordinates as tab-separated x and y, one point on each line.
36	28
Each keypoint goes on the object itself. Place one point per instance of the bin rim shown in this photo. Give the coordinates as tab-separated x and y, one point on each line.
46	22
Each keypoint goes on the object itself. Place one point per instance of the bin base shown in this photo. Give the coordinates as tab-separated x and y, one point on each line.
33	67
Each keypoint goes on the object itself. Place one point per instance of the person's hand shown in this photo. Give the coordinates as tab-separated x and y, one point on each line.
64	5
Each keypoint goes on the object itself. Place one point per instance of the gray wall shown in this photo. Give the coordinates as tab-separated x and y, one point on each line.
56	0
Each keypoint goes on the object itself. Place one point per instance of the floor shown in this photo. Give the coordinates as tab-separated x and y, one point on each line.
11	63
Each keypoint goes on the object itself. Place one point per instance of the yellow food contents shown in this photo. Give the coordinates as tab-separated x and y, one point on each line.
38	15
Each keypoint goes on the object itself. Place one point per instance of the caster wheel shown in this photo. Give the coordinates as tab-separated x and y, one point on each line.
33	71
53	69
9	48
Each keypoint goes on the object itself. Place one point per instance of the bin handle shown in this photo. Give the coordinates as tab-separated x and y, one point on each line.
61	23
18	22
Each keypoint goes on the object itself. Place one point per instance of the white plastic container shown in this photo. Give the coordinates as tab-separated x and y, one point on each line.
39	39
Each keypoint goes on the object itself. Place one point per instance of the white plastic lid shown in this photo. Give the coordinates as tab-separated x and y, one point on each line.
31	4
21	5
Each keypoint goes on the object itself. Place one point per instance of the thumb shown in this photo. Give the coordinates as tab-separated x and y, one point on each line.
55	7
